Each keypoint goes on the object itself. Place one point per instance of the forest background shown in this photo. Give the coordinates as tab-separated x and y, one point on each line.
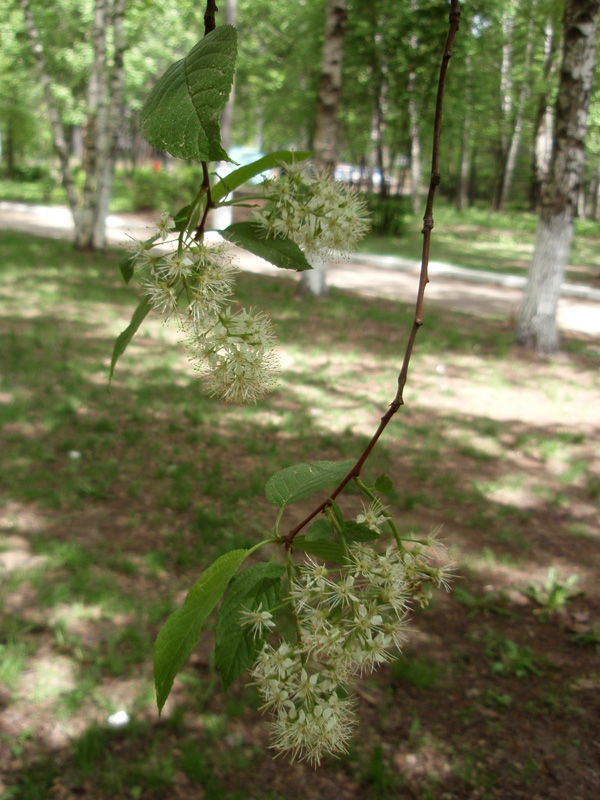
497	127
113	503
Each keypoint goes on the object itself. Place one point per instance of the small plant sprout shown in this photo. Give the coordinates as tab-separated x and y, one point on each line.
332	603
553	595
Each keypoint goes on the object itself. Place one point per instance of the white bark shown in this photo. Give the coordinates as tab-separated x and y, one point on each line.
330	85
515	136
542	147
325	140
112	123
537	320
103	115
463	191
58	134
415	141
415	147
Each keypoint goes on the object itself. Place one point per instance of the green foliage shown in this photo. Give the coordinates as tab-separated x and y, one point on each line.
124	338
327	551
179	635
283	253
236	645
181	114
421	673
243	174
301	480
552	595
359	532
319	530
508	657
387	215
383	485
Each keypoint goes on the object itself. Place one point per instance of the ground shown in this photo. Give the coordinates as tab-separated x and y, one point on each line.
114	503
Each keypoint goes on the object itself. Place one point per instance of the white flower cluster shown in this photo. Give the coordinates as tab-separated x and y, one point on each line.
193	286
236	356
350	620
323	216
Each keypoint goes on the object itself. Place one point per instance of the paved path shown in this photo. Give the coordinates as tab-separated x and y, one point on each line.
457	288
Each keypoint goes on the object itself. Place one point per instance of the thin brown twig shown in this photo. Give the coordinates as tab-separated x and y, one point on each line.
209	203
209	16
434	182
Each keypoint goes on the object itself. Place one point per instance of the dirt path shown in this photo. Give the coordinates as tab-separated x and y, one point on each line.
452	291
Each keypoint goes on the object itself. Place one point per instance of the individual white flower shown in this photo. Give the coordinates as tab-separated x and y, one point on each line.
259	621
164	226
175	266
163	297
340	592
372	516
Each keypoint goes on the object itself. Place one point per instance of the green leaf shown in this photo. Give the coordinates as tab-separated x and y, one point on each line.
358	532
181	114
236	647
338	513
181	218
284	253
326	551
179	635
319	530
123	339
245	173
301	480
383	484
126	265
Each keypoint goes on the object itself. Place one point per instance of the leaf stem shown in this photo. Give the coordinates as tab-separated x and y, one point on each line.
209	203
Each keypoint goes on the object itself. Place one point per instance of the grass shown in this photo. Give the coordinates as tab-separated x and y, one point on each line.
112	503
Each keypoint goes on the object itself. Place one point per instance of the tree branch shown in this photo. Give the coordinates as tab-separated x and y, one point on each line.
209	16
423	280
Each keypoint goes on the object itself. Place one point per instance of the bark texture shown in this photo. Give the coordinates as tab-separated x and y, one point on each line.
542	146
515	135
330	85
537	320
314	282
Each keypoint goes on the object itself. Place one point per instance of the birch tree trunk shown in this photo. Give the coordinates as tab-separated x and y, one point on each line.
463	192
314	281
58	133
542	146
110	136
103	114
537	320
506	101
515	135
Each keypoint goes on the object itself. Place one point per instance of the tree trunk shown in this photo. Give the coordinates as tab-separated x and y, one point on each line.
537	321
595	195
109	148
330	86
542	146
415	147
463	190
515	136
103	116
506	87
325	139
58	133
